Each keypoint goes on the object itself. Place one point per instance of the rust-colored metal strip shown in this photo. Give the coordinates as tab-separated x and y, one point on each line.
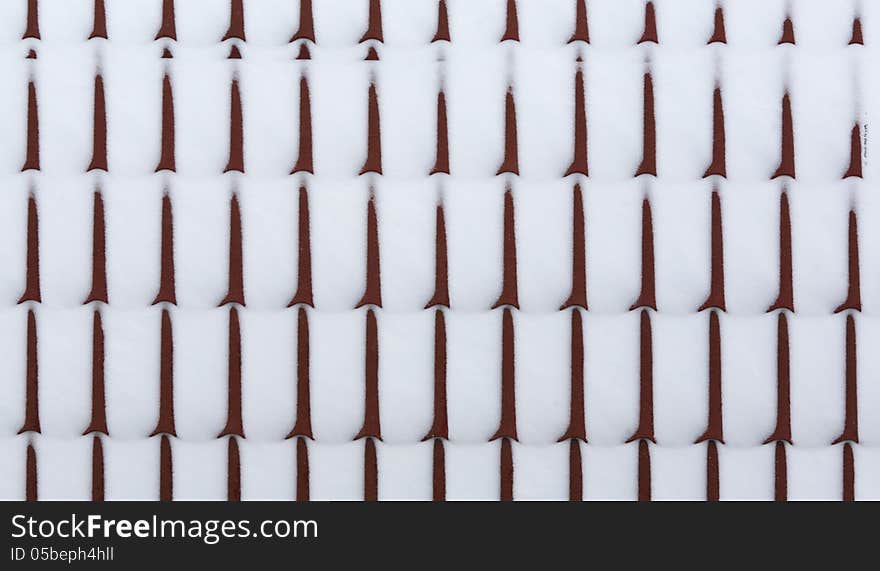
578	296
506	471
575	472
165	424
304	160
99	21
371	472
32	154
511	28
644	470
99	129
849	474
166	470
236	21
302	471
440	426
786	162
855	154
857	38
32	258
510	165
649	132
235	292
372	54
371	427
715	424
167	158
509	289
645	430
373	282
441	163
99	266
851	416
442	32
30	487
650	33
507	425
168	29
854	294
576	423
780	486
373	162
303	293
233	471
581	27
306	30
374	23
787	36
303	424
438	470
32	28
785	299
718	166
579	162
234	425
441	277
236	128
719	34
647	297
716	289
99	406
713	479
166	293
32	393
97	469
783	385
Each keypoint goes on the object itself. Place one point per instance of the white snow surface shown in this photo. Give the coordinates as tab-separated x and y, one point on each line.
832	85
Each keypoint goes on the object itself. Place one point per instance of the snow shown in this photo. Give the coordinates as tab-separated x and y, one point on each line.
832	85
